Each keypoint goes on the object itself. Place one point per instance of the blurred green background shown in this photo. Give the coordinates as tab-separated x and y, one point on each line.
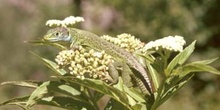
23	20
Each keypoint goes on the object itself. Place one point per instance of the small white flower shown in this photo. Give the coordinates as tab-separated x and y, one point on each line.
98	54
54	22
67	22
125	41
71	20
172	43
64	57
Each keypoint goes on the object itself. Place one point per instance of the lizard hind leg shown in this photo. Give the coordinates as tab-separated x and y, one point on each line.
119	69
113	74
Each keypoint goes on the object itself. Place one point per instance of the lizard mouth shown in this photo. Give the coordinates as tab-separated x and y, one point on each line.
50	39
57	39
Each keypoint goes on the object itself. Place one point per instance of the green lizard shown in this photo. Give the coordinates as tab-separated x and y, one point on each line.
73	37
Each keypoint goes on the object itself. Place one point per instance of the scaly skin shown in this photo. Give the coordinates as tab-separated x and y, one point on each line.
73	37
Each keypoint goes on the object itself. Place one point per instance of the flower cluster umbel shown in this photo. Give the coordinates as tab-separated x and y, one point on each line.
171	43
67	22
125	41
85	64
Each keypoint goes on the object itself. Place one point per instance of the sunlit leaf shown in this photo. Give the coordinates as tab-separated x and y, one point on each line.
175	84
135	94
197	67
66	102
32	84
52	65
168	88
131	95
42	42
69	89
19	101
37	94
56	101
119	85
72	91
139	107
206	61
103	88
181	57
175	88
154	76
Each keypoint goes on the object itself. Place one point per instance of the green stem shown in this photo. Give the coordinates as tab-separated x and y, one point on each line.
159	95
165	54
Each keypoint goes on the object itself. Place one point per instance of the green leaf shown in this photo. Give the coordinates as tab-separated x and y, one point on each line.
140	106
171	91
168	88
206	61
180	58
31	84
69	89
38	93
64	88
175	83
56	101
197	67
119	85
44	89
131	101
51	65
154	76
103	88
19	101
42	42
66	103
135	94
132	96
55	86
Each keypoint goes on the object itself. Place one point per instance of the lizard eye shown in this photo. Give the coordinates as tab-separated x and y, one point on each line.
57	33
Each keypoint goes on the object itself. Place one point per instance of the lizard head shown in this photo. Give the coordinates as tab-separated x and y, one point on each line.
59	35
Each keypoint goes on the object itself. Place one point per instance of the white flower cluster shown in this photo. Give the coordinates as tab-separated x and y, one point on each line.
172	43
125	41
85	64
64	57
67	22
